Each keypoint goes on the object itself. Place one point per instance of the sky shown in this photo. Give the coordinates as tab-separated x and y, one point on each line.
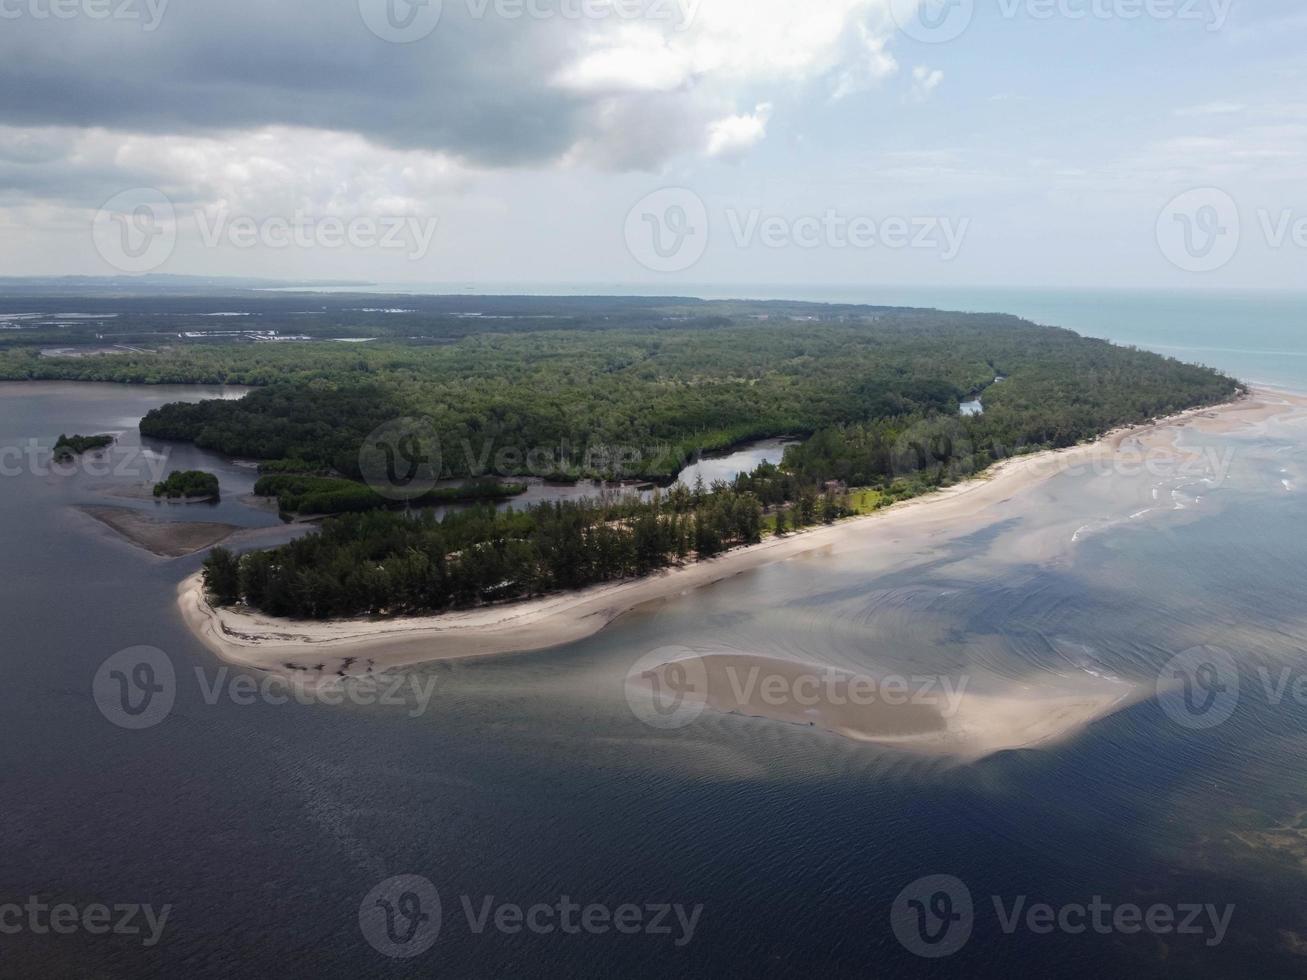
1084	143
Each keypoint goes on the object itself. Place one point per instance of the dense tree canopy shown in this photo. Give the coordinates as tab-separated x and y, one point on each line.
607	388
387	563
189	484
629	401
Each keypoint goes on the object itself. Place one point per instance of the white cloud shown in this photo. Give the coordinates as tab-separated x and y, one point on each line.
732	137
269	171
1211	109
871	63
635	58
692	75
925	81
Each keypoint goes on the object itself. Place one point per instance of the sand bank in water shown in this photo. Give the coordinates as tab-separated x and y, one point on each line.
254	639
168	539
949	715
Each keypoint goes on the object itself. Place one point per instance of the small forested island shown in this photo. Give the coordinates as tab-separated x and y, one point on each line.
188	485
66	447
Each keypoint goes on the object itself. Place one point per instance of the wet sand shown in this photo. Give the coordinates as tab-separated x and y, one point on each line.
167	539
966	716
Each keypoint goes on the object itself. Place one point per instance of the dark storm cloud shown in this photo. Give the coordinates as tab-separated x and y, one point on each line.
474	87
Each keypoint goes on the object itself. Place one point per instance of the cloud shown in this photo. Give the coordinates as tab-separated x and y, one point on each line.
484	88
925	81
732	137
1211	109
272	170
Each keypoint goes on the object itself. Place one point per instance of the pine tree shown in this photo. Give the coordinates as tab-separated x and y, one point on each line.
222	577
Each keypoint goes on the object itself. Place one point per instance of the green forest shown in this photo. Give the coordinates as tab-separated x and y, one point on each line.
640	402
614	389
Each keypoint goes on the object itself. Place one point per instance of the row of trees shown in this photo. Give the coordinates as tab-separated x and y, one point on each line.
385	563
307	493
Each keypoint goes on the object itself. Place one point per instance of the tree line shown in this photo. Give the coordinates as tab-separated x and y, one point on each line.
385	563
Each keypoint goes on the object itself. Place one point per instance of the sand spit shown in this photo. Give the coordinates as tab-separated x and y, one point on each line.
253	639
167	539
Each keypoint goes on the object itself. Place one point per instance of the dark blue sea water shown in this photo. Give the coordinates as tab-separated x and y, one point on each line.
266	827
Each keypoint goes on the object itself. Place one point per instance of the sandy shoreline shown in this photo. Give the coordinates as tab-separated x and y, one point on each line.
358	646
